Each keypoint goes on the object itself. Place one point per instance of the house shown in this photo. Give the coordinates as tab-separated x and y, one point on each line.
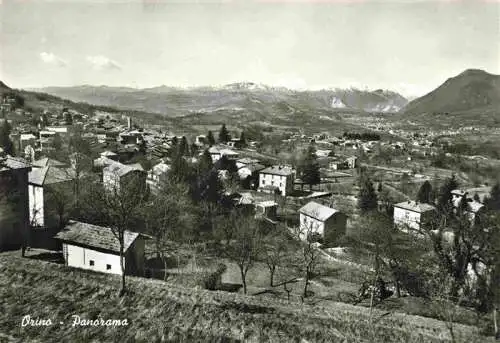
337	164
352	162
116	175
236	143
26	139
61	130
41	182
266	209
14	201
157	176
277	178
110	155
97	248
48	162
250	174
325	222
413	215
216	152
474	208
46	139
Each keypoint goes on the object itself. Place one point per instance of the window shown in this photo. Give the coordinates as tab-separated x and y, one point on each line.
91	263
263	182
108	267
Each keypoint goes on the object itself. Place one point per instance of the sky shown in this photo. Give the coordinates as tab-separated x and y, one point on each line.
406	46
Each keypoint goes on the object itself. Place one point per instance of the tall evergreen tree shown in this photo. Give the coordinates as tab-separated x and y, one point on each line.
183	148
5	142
493	202
444	201
224	136
210	138
243	140
310	168
68	118
367	198
424	194
205	164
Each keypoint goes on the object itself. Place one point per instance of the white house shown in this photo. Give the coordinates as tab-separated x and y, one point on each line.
218	152
321	220
412	214
157	175
277	177
97	248
38	181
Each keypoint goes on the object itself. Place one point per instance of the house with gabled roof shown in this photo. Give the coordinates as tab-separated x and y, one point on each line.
322	221
413	215
116	174
97	248
41	181
277	178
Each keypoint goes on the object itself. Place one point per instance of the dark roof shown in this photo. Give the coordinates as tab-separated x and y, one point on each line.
10	162
415	207
95	236
278	170
123	169
50	175
45	162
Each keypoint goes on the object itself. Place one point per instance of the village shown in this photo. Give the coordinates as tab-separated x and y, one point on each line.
315	194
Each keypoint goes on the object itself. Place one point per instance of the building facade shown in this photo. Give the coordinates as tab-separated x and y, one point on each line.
279	178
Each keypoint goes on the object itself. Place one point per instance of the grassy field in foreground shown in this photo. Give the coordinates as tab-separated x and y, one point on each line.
160	312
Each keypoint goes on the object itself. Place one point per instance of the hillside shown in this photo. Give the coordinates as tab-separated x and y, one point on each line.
158	311
473	90
246	96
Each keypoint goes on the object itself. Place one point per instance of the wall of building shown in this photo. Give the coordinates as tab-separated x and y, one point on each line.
36	210
311	224
14	208
80	257
403	217
283	183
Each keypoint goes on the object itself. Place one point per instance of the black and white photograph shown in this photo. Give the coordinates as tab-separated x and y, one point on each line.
283	171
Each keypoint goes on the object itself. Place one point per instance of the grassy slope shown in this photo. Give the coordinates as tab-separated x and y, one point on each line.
158	311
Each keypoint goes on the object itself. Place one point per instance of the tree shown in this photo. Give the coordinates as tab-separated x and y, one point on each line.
205	163
5	142
119	208
425	192
183	147
242	242
57	142
274	252
210	138
367	198
243	140
310	254
68	118
493	202
168	215
224	136
60	200
444	200
310	168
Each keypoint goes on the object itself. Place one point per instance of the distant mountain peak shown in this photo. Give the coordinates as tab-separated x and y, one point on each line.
470	90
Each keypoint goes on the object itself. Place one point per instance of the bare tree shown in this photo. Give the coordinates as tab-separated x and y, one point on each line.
118	207
310	257
242	242
274	252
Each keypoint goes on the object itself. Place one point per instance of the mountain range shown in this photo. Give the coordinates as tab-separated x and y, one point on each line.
174	102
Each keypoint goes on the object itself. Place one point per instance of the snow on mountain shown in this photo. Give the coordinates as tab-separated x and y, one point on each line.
337	103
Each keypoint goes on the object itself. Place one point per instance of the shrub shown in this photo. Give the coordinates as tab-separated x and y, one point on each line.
211	280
